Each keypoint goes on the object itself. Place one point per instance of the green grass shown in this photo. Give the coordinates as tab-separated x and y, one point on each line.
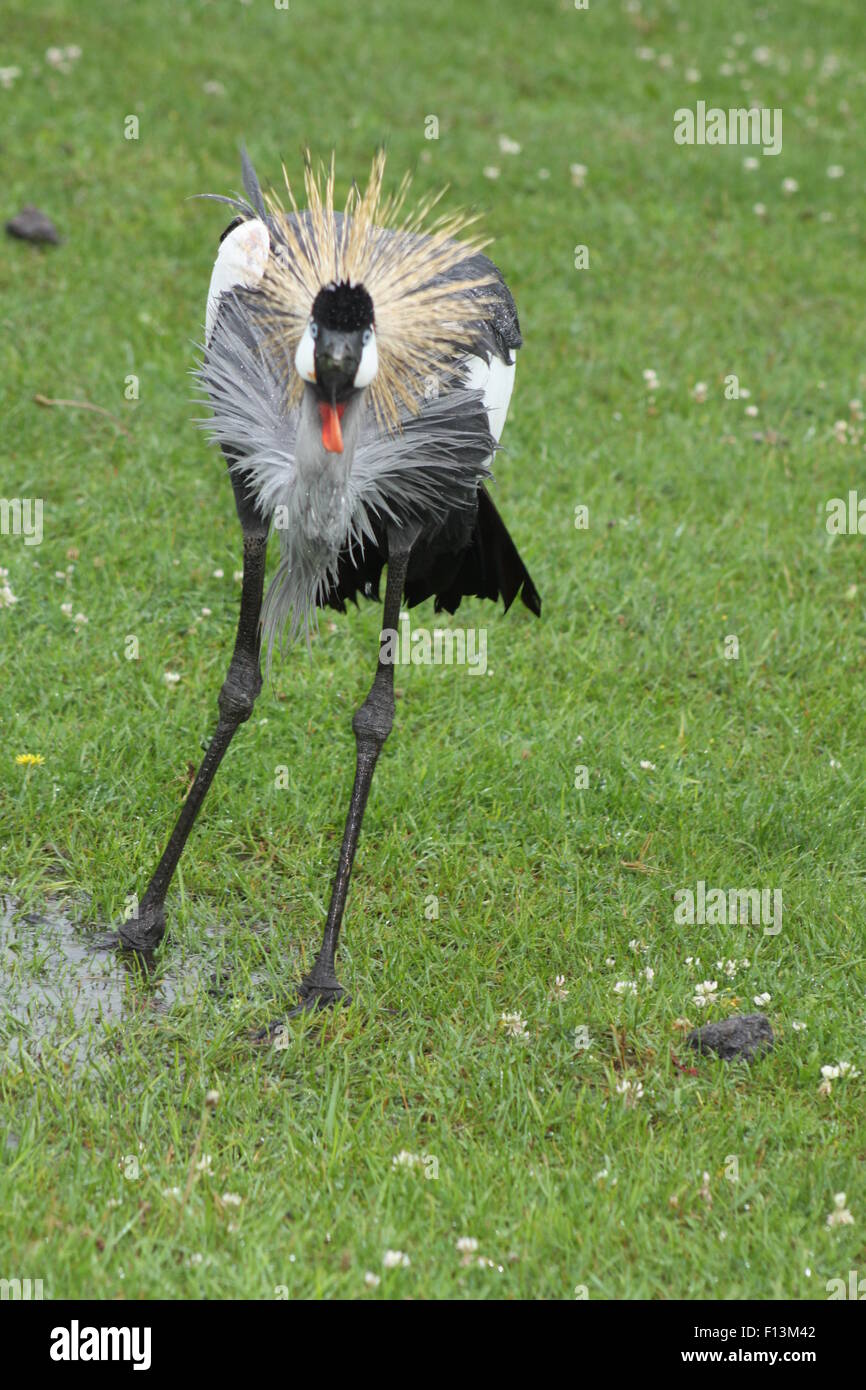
697	529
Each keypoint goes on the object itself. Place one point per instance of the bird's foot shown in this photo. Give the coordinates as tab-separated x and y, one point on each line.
144	932
319	990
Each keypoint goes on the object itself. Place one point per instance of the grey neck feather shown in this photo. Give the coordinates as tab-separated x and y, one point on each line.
322	475
324	504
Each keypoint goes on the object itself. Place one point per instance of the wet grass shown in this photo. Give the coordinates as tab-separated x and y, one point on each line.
484	871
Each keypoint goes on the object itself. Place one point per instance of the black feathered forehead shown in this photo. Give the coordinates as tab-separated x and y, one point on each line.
343	307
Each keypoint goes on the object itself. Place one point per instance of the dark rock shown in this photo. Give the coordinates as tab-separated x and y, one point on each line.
32	225
744	1035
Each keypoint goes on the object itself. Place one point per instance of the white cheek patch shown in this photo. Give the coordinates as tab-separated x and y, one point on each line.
368	365
305	356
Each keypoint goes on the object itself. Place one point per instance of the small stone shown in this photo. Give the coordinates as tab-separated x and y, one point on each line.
32	225
743	1035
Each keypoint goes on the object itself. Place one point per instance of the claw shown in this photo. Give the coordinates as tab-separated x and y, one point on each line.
143	934
311	999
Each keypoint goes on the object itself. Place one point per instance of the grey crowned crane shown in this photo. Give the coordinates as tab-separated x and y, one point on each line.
358	366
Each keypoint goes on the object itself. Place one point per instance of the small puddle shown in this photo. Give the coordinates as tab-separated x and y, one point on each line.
61	983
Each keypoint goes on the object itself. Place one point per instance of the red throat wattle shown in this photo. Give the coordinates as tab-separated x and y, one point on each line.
332	435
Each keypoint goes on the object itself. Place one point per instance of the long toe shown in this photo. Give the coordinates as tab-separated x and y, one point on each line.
311	1000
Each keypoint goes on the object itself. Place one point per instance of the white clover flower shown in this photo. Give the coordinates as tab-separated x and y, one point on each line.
840	1215
514	1025
705	993
7	598
170	677
509	146
762	999
395	1259
63	58
790	186
630	1089
372	1280
625	987
490	171
699	391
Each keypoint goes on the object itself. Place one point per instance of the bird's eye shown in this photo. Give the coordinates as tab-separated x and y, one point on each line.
368	333
314	329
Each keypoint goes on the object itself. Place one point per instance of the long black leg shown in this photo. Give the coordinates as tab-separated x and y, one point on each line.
372	725
236	699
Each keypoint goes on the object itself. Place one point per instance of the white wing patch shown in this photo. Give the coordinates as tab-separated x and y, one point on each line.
242	259
496	381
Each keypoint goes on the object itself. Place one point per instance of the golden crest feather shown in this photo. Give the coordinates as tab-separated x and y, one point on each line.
426	316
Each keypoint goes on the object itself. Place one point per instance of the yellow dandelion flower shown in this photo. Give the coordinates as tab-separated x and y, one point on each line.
30	760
